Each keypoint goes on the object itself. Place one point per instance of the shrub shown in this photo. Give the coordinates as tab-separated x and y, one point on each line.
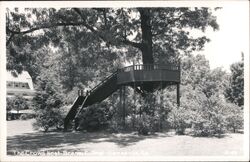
216	117
48	119
234	118
143	127
207	114
208	127
114	126
94	117
209	118
47	106
179	119
27	116
17	103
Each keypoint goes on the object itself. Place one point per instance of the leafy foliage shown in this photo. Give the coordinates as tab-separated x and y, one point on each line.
179	118
16	103
234	118
94	118
203	100
109	30
47	103
235	91
144	124
99	116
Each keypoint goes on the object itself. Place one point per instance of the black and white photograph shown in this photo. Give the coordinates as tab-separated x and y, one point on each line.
124	81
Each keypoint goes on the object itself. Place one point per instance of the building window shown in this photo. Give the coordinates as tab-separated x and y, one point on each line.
16	85
9	84
25	85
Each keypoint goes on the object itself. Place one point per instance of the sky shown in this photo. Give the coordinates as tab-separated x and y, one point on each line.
232	38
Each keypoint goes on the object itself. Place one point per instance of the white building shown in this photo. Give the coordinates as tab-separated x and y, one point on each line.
20	85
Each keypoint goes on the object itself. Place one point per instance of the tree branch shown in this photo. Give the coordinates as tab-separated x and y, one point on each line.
78	11
125	41
83	22
134	44
13	32
46	26
8	41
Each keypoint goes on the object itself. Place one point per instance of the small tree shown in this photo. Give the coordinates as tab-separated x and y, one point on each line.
47	104
235	91
234	118
94	117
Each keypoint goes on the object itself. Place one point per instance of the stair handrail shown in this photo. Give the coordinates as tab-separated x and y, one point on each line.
72	104
82	106
140	67
99	84
175	67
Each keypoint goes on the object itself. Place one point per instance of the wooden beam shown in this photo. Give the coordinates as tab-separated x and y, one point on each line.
178	94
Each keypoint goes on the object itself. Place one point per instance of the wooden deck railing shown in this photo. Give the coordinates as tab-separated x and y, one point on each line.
173	67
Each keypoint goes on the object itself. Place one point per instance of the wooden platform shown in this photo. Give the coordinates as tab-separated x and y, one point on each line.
148	73
147	77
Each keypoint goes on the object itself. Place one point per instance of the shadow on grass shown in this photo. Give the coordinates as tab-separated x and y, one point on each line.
60	140
212	136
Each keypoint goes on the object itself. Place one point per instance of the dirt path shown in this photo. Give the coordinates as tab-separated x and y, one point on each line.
21	137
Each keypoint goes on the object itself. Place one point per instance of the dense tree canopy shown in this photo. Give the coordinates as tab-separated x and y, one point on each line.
153	35
235	90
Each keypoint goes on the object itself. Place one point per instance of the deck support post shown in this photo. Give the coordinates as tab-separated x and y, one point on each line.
134	108
178	94
161	107
140	110
123	106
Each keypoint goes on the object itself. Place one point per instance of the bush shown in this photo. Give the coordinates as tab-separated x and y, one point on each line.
234	118
216	116
16	103
179	119
208	115
94	117
48	119
27	116
114	126
47	106
144	124
209	118
155	108
204	127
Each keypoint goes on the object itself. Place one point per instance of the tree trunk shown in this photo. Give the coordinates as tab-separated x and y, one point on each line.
146	48
146	44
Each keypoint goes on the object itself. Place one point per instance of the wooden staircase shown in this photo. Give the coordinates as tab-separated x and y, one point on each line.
95	95
147	76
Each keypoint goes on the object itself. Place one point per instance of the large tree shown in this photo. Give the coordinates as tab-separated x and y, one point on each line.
152	31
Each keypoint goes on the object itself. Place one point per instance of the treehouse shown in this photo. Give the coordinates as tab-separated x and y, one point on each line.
143	78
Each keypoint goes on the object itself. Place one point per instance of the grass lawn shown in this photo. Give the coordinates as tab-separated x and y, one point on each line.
21	137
